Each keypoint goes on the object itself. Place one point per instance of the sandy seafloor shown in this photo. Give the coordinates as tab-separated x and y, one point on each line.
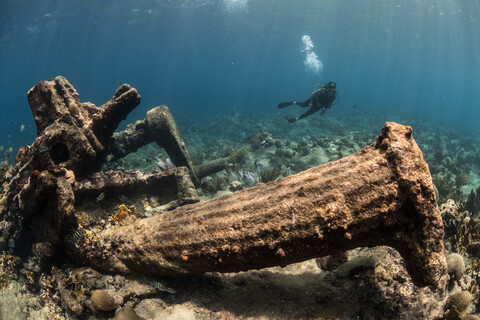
368	284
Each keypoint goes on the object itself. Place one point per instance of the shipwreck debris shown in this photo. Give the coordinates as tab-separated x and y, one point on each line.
62	167
381	195
159	127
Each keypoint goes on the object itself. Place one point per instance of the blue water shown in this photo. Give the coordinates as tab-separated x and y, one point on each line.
416	59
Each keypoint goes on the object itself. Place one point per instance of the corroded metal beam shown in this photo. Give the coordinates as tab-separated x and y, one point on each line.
381	195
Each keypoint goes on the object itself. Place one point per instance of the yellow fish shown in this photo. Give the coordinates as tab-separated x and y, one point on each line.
100	197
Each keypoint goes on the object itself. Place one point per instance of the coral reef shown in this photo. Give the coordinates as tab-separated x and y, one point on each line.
462	236
473	202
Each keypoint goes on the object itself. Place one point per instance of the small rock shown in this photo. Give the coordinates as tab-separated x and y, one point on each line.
207	185
269	141
235	185
69	300
44	250
460	300
332	149
345	151
288	153
332	262
137	289
127	314
456	266
178	312
358	264
86	276
334	157
102	301
330	310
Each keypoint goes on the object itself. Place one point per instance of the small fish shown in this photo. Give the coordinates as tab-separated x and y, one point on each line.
164	165
43	149
77	235
354	106
161	287
102	174
22	127
100	197
104	167
110	157
11	243
123	198
26	173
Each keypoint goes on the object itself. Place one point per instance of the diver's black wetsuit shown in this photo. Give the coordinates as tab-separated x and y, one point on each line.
321	99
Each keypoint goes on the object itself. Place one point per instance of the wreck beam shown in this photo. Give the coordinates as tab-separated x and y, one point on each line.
159	127
134	182
381	195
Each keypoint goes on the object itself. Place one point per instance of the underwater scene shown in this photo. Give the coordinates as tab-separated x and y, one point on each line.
239	159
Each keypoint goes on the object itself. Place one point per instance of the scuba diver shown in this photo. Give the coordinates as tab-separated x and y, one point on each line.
322	98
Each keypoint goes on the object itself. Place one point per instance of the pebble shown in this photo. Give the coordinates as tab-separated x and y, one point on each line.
102	301
127	314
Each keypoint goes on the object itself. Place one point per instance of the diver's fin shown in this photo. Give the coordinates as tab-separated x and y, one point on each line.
285	104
